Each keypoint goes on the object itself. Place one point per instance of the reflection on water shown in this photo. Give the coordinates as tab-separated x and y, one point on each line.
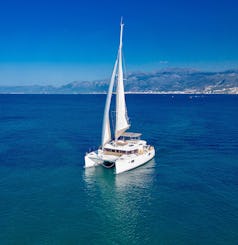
121	200
99	176
139	177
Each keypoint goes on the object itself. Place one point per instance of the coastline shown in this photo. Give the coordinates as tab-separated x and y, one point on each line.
139	93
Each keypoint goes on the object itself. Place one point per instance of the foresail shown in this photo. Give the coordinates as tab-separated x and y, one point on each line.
121	113
106	131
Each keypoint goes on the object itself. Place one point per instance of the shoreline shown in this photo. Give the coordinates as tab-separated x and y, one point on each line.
139	93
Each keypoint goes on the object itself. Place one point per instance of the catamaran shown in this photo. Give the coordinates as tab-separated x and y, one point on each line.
126	150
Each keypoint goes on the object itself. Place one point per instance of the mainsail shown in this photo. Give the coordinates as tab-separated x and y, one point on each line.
121	113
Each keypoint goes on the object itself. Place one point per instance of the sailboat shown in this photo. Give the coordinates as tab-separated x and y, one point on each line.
126	150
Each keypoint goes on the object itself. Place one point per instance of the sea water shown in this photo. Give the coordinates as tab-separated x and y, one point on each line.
188	194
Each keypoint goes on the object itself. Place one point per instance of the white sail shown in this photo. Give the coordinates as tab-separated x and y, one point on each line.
106	131
121	113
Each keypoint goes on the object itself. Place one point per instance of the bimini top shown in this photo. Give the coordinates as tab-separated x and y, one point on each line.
131	135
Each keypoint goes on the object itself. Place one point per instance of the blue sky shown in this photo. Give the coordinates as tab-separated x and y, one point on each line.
55	42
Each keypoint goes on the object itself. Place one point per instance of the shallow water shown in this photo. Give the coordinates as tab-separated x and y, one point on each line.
188	194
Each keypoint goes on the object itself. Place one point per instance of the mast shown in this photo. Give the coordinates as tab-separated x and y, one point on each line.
122	123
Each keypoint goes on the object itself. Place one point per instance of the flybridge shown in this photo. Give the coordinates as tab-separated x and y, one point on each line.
130	134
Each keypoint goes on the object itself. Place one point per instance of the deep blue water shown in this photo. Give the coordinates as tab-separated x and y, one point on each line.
187	195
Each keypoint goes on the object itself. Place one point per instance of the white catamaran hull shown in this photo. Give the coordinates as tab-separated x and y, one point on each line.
92	160
123	163
130	162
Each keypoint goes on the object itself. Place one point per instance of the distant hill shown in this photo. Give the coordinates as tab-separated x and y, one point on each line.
163	81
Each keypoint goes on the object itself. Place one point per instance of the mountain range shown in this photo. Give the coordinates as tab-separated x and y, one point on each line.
170	80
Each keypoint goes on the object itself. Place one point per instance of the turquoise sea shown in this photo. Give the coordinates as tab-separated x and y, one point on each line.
187	195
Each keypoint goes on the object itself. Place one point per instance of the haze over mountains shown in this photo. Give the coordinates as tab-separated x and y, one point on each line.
170	80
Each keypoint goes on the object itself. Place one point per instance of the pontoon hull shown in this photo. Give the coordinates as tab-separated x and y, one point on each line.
123	165
92	160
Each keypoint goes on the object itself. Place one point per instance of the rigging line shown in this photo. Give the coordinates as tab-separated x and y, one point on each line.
125	78
112	114
124	67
